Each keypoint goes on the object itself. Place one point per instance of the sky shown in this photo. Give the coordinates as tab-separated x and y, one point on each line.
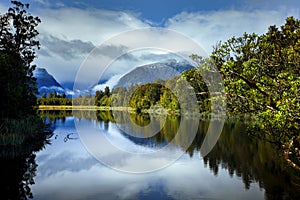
70	29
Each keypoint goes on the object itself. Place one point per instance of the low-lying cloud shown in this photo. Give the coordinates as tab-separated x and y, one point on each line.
68	50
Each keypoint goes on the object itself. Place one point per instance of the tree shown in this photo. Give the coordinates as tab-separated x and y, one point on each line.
262	77
119	97
18	32
98	97
107	91
44	96
17	51
195	79
50	95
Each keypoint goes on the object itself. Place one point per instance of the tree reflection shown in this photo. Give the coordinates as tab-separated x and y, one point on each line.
17	176
18	167
54	115
244	156
253	160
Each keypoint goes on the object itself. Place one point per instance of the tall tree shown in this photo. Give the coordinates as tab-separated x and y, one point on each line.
262	76
17	51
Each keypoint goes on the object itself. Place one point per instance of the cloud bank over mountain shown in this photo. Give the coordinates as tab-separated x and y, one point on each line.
68	33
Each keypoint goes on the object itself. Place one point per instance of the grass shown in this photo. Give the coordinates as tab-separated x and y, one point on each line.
16	131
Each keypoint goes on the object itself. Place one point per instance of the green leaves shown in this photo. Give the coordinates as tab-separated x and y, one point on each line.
18	33
261	76
17	51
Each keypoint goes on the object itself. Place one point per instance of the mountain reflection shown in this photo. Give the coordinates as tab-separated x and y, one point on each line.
241	155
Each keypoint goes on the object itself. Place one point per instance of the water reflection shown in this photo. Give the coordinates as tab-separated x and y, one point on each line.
18	167
17	177
255	161
238	167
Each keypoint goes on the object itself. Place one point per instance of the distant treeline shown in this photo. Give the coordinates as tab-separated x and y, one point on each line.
171	94
53	98
142	97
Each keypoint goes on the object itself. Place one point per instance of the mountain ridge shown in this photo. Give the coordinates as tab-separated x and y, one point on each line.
150	72
46	82
139	75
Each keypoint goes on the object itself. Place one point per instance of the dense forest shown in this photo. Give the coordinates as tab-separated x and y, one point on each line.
262	77
54	99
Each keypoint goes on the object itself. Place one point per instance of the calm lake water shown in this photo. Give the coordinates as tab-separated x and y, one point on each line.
238	167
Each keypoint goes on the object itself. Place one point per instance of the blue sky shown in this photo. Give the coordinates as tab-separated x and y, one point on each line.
71	29
158	11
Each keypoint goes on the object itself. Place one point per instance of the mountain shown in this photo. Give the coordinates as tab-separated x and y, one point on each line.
140	75
151	72
68	85
46	82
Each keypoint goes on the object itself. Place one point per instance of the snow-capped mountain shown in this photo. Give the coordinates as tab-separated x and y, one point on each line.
140	75
151	72
46	82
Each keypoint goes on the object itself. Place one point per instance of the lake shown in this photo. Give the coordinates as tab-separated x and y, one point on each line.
239	166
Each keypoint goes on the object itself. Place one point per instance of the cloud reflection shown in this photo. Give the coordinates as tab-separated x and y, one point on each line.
67	171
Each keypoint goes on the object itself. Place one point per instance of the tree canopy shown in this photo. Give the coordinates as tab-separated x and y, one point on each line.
262	77
17	51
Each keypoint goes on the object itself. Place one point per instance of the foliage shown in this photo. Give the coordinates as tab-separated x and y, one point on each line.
165	93
195	79
54	99
119	97
103	98
17	51
150	94
262	76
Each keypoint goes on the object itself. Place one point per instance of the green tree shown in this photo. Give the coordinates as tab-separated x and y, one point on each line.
98	97
63	95
262	76
17	51
107	91
194	78
119	96
44	96
50	95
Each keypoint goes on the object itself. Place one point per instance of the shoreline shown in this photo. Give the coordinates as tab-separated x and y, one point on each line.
159	111
59	107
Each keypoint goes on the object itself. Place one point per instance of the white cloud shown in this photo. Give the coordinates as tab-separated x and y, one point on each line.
94	25
110	83
209	27
43	2
65	28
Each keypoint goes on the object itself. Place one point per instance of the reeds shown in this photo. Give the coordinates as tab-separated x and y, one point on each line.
16	131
